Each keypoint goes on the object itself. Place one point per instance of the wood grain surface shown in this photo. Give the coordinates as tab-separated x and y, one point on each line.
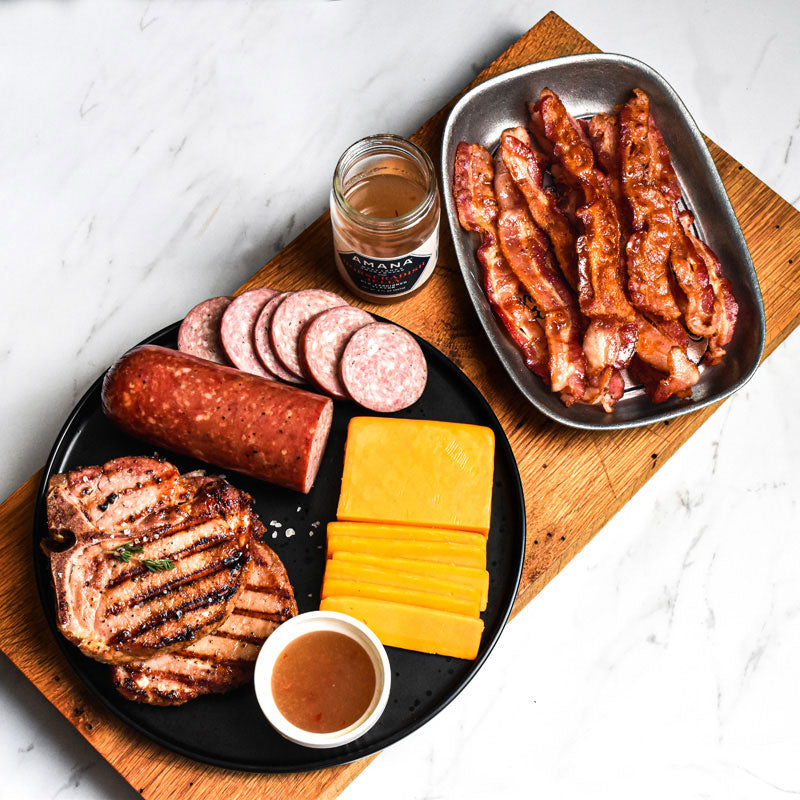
557	464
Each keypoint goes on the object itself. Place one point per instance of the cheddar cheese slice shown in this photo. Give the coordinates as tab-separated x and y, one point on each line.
468	576
465	555
412	532
418	472
457	604
337	569
428	630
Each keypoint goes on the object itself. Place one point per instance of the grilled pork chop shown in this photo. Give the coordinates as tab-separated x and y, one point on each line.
118	612
225	659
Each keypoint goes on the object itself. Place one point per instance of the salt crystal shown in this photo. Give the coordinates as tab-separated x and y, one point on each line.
289	532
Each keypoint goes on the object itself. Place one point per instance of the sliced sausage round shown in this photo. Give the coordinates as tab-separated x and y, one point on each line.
290	318
383	368
199	331
262	343
237	328
322	343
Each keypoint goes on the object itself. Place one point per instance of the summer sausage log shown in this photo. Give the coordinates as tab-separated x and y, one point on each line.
226	417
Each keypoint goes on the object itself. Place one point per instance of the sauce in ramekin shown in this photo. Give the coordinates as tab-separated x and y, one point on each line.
323	681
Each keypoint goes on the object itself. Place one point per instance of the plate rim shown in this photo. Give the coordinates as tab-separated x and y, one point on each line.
70	651
562	416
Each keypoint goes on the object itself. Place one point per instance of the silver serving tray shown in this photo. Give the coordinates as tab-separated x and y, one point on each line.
588	84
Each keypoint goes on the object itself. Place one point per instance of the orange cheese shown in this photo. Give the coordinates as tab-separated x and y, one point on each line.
354	571
466	555
456	603
418	472
428	630
477	579
414	532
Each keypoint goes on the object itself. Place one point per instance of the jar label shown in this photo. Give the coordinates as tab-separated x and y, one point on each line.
389	277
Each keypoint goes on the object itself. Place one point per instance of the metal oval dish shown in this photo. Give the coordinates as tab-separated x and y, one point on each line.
588	84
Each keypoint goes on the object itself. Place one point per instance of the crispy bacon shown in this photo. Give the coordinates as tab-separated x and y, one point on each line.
604	137
692	274
696	297
610	338
537	129
477	211
525	163
472	188
648	249
604	388
662	349
663	171
527	251
570	145
726	309
600	284
617	204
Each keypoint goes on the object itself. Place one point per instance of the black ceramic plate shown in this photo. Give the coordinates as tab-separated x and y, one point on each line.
230	730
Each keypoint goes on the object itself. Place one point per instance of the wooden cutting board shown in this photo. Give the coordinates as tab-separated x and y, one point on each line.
557	464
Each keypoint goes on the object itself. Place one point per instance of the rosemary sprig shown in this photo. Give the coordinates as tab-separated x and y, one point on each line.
158	564
126	552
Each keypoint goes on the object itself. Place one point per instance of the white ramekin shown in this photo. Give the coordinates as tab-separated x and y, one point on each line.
322	621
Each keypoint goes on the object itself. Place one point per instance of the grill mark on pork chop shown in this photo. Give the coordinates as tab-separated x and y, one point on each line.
119	612
201	546
98	487
273	616
238	637
163	590
224	659
157	620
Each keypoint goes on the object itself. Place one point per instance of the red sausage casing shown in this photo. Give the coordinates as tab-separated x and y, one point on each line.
229	418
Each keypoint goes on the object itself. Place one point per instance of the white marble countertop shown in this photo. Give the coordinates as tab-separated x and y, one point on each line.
154	154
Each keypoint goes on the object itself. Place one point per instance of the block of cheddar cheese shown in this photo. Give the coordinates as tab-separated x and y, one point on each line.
456	603
466	555
428	630
418	472
420	533
338	569
477	579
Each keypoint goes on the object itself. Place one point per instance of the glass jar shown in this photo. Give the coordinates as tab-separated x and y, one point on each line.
385	216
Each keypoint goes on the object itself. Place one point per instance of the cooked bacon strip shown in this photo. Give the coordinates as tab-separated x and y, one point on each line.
726	309
661	350
604	388
525	163
527	251
601	292
663	171
648	248
696	298
537	129
692	273
604	137
600	281
569	190
477	211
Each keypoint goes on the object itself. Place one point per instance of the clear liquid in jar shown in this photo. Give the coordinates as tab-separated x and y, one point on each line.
385	194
